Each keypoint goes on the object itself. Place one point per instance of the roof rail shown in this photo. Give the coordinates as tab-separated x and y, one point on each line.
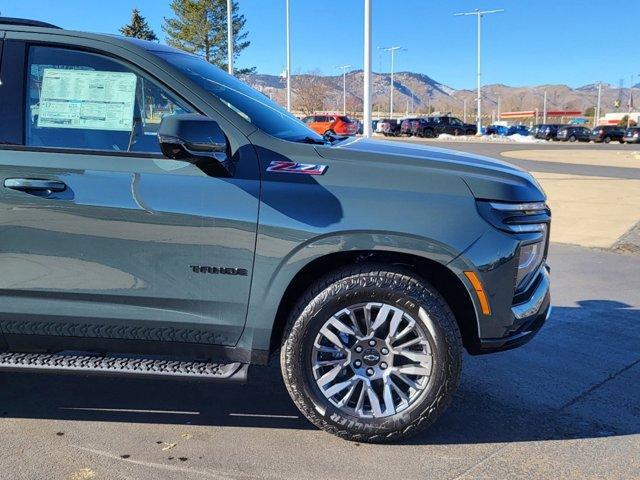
25	22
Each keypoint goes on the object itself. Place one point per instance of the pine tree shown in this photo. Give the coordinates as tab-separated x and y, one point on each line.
200	27
138	28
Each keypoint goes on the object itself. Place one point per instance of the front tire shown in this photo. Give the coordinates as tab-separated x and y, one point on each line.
379	376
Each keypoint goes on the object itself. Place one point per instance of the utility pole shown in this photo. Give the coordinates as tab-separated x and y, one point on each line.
499	113
479	14
597	115
464	110
544	108
366	98
630	102
344	87
288	55
393	51
230	36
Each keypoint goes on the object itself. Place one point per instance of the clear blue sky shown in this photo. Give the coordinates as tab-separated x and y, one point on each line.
533	42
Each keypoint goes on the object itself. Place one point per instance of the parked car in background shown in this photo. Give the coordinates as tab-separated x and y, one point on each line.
518	130
409	126
573	133
437	125
534	129
389	127
632	135
547	131
331	124
607	133
495	130
505	130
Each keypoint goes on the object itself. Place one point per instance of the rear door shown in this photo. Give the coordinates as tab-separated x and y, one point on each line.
104	243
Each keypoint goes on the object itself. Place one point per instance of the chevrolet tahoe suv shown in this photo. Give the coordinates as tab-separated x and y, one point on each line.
159	218
435	126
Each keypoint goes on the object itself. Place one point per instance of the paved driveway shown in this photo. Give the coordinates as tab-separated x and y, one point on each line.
564	406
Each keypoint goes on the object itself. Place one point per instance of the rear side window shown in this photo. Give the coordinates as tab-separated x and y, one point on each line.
86	101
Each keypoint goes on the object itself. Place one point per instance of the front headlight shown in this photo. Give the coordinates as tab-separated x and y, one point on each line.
530	258
530	223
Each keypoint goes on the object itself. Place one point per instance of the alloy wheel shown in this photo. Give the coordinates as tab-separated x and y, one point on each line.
372	360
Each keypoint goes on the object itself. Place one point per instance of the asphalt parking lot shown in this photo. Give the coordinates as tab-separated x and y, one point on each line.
566	405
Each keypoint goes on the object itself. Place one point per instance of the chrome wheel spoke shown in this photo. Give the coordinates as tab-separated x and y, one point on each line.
389	407
419	357
338	387
374	401
329	376
414	370
332	337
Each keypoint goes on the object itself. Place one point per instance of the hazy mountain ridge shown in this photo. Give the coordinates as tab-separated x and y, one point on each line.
412	91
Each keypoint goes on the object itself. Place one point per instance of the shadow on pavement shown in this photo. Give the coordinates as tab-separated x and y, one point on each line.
498	400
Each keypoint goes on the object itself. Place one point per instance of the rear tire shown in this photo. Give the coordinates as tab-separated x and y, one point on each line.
607	139
337	304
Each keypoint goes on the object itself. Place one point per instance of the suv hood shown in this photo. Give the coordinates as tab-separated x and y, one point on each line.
487	178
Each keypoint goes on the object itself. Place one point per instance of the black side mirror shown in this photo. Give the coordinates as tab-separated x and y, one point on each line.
196	139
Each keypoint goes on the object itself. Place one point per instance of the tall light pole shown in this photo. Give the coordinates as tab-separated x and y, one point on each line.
393	51
288	55
344	87
499	109
597	113
366	98
479	14
630	102
230	36
544	108
464	110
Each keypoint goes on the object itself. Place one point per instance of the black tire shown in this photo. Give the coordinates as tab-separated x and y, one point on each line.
429	133
572	138
329	132
607	139
378	283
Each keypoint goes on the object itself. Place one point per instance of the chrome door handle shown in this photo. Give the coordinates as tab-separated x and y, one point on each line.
33	184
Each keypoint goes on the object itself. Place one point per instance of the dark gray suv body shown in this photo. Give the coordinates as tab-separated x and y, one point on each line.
162	218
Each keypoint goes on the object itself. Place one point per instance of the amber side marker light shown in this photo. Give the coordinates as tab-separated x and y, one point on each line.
482	297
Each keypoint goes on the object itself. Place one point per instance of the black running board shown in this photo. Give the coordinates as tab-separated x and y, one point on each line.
121	365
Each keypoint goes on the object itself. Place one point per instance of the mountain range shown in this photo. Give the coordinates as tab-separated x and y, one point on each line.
414	92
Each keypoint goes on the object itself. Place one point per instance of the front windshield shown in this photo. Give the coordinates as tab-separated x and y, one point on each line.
252	105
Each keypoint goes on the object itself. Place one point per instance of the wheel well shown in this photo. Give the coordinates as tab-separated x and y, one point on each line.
442	279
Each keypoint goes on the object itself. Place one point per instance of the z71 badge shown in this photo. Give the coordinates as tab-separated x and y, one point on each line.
278	166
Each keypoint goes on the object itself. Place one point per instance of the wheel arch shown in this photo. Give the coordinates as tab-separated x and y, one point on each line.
448	284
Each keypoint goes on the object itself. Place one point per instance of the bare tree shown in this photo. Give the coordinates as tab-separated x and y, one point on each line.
310	90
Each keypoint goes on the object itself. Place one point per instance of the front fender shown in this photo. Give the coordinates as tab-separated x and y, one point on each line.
270	281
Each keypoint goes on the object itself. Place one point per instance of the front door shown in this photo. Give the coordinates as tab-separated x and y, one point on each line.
103	241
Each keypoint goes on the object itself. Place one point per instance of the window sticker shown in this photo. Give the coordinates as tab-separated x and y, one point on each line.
87	99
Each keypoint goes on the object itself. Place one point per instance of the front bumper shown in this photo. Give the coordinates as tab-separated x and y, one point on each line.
631	139
528	317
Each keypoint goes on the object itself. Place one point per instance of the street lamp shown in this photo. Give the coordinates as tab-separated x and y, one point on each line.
393	51
230	36
596	115
344	87
479	14
366	100
288	35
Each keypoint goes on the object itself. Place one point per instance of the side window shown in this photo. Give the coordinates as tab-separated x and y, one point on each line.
87	101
